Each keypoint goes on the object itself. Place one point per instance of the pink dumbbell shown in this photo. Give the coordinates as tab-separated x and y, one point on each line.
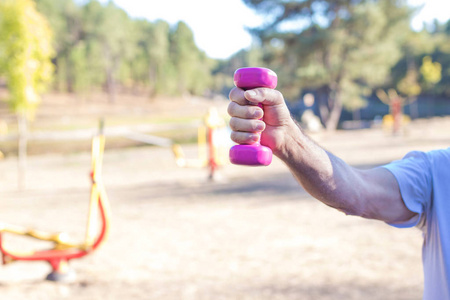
254	154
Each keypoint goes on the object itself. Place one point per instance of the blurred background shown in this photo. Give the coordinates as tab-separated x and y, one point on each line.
354	60
368	80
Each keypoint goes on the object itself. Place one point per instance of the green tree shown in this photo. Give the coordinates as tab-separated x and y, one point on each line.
25	53
431	71
107	31
342	49
442	55
139	64
98	46
192	66
65	18
409	85
25	56
161	68
153	66
415	72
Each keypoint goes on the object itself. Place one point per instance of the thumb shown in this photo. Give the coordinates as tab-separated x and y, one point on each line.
264	96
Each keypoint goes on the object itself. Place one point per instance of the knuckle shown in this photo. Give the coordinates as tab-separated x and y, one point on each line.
258	112
250	112
232	93
235	136
231	108
233	124
236	95
252	126
277	96
264	91
259	126
241	137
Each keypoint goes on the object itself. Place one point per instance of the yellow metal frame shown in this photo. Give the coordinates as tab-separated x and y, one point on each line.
213	125
61	240
201	160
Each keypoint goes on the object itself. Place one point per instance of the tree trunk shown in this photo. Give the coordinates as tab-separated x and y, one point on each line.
323	102
413	109
356	114
152	77
110	86
111	67
22	150
335	114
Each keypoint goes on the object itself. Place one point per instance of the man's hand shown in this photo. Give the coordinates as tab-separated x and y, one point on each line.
275	124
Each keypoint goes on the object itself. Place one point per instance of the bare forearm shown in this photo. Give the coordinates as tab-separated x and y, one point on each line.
321	174
371	193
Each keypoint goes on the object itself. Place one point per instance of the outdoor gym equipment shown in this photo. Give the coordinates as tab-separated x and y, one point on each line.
212	145
64	249
253	154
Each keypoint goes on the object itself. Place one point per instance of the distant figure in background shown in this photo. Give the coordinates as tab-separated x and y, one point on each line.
414	191
308	119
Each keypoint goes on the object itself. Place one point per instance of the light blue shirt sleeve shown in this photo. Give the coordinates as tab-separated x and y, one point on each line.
414	177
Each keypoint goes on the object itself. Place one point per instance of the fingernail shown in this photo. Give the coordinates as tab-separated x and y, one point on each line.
254	137
251	93
258	114
260	126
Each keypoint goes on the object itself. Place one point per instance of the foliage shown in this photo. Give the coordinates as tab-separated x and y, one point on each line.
191	64
101	46
431	71
415	72
65	19
442	56
409	86
342	49
25	53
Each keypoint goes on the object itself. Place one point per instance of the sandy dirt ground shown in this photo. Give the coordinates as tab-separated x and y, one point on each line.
253	234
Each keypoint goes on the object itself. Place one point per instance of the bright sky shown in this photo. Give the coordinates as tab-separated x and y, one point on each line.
219	25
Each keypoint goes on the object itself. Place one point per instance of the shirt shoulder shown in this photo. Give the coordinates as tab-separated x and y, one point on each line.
414	175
